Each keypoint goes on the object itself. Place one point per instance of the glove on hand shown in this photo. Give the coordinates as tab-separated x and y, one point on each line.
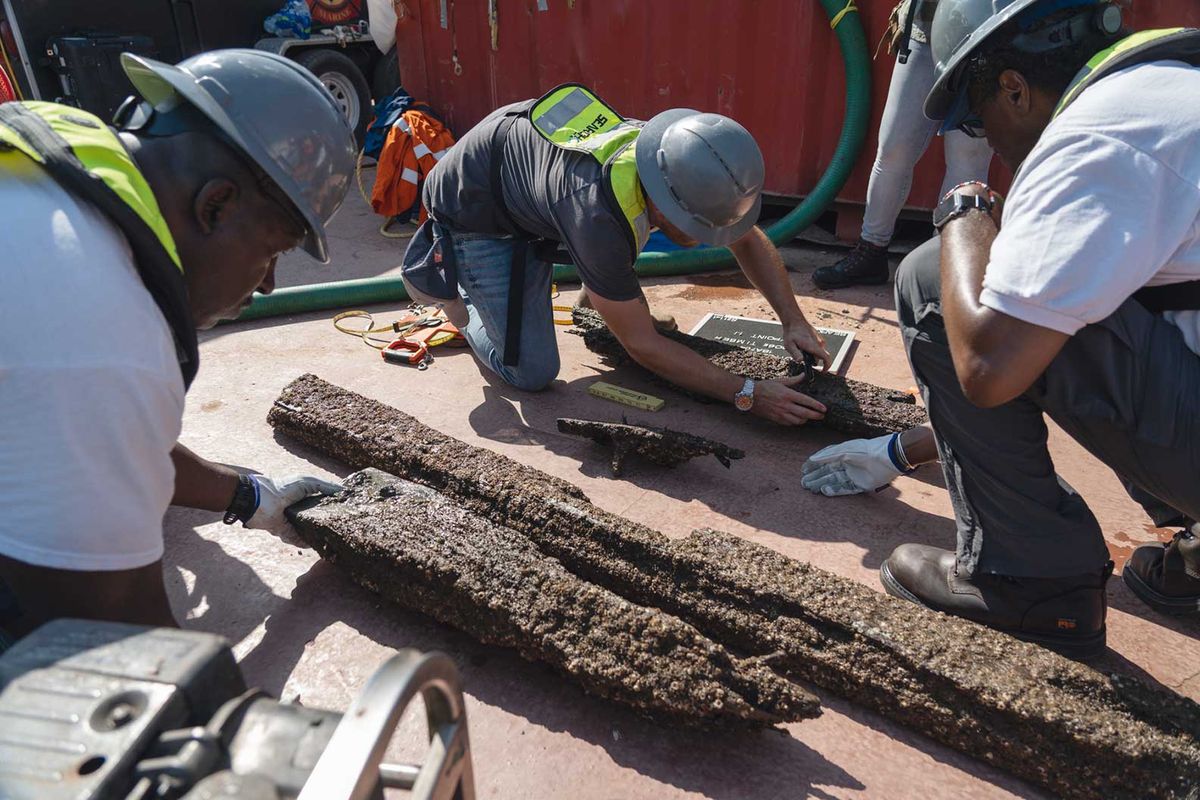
860	465
276	495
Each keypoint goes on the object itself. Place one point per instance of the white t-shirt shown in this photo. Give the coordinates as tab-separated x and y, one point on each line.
91	396
1107	202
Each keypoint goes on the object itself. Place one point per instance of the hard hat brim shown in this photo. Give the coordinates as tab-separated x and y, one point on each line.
655	183
164	84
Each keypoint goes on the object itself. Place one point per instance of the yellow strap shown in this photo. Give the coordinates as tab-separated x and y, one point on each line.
563	309
394	330
363	333
570	320
850	7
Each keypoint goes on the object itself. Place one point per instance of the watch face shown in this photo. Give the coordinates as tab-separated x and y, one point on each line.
943	210
744	402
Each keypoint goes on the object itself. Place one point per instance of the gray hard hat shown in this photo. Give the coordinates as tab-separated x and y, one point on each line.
275	112
704	172
960	27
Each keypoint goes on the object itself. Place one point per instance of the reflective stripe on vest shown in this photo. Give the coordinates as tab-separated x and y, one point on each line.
1166	44
574	118
102	155
1169	44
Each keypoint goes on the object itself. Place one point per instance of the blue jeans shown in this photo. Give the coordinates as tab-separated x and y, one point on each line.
484	270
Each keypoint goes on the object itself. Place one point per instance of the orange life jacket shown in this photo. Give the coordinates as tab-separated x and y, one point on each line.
414	145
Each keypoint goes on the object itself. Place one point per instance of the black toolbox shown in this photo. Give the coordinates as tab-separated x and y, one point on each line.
89	69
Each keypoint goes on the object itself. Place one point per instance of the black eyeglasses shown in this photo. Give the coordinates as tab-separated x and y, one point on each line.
972	125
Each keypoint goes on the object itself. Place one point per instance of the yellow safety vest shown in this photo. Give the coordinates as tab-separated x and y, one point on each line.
572	117
1175	44
1167	44
87	158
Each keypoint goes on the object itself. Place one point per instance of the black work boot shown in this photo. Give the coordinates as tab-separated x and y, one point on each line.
1064	614
865	264
1167	577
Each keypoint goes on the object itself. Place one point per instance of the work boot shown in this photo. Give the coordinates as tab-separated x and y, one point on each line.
1064	614
1167	576
865	264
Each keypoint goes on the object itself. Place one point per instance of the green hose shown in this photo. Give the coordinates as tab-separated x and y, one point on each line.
857	63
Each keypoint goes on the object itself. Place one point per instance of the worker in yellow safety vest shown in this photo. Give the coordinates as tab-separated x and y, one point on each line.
136	237
565	177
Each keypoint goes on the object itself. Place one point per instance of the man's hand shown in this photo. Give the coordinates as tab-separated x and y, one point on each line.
860	465
800	337
779	402
275	495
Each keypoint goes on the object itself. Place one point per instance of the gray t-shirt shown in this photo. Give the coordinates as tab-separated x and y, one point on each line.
550	192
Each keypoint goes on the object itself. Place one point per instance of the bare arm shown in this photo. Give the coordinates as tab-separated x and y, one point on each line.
919	445
200	483
631	323
132	595
759	259
996	357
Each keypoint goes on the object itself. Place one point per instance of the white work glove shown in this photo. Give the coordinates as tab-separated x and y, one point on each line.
274	495
860	465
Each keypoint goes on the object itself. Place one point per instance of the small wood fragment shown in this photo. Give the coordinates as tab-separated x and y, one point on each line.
660	446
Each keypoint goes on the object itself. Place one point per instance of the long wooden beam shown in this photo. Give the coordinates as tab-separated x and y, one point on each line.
1023	708
418	548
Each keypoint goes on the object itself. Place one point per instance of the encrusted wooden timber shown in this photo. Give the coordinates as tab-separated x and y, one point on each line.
420	549
1047	719
661	446
853	407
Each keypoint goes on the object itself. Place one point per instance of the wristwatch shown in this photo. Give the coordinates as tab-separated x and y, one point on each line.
957	204
244	502
744	400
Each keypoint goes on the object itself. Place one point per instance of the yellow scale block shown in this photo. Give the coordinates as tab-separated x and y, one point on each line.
628	397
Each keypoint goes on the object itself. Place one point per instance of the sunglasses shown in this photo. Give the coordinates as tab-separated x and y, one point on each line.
962	118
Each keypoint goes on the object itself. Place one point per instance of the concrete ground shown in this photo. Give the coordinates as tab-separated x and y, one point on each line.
304	631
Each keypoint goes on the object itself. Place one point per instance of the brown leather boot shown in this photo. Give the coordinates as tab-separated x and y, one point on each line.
1167	576
1063	614
865	264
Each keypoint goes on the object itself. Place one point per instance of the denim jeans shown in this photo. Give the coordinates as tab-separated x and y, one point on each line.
904	135
484	272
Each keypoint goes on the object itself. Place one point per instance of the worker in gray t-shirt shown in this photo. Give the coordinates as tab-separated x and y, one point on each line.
567	173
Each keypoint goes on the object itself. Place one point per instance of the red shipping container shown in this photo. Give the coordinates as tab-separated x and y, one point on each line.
774	65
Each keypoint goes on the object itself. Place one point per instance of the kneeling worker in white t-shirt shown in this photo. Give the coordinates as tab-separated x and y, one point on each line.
1053	303
135	238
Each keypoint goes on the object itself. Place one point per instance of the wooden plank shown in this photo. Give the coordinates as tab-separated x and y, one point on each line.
1020	707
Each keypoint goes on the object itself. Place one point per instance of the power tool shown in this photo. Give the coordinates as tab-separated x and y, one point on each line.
107	711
